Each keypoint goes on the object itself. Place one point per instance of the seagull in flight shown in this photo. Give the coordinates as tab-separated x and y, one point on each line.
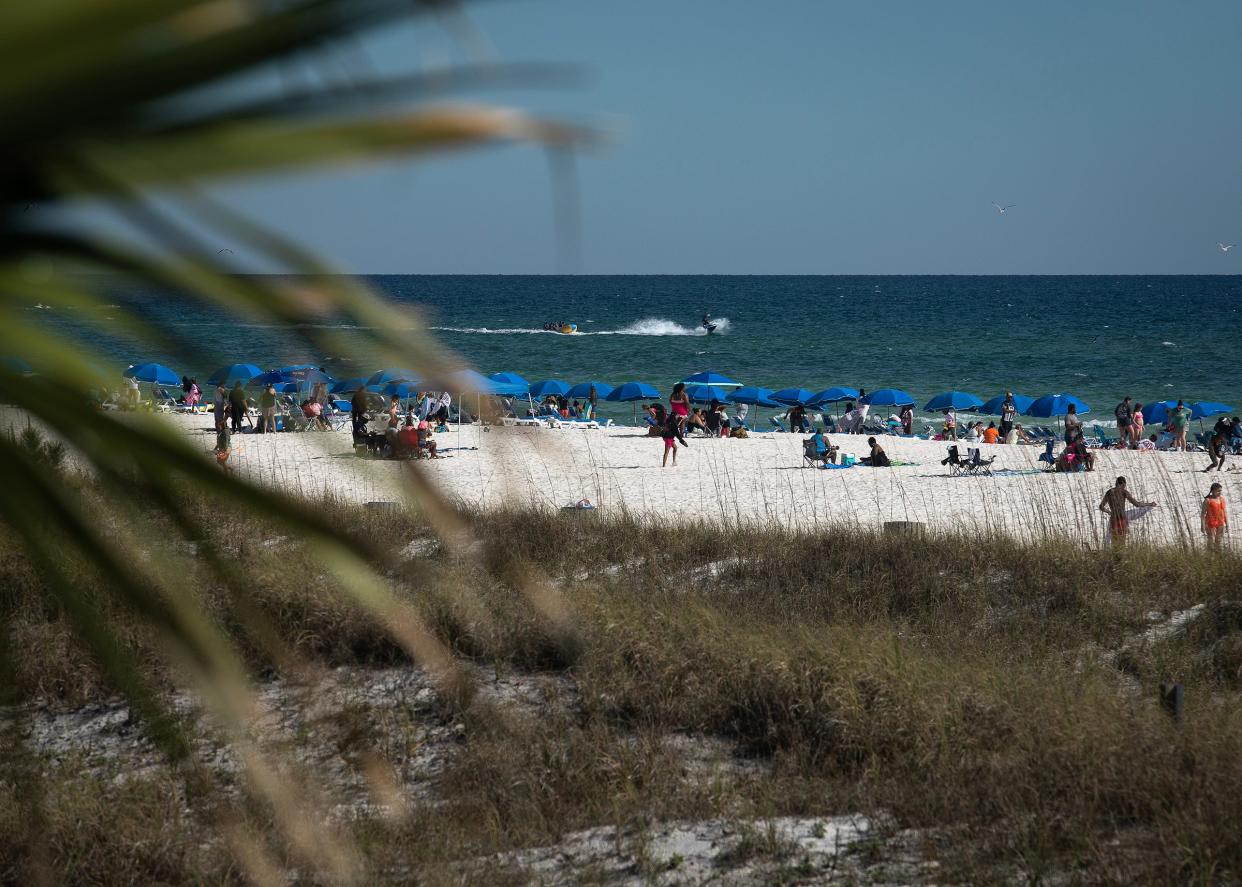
1225	247
225	250
1001	209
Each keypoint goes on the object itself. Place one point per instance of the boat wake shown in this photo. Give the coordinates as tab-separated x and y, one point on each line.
650	326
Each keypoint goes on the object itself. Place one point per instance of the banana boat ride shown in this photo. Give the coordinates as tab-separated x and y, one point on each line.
564	329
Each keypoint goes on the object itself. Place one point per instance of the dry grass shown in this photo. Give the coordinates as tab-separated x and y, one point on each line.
989	693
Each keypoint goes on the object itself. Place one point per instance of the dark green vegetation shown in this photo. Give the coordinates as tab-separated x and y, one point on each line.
1000	699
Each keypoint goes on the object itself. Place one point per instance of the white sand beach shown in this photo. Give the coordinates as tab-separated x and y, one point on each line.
760	480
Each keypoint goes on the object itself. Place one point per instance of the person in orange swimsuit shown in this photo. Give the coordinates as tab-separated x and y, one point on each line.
1214	516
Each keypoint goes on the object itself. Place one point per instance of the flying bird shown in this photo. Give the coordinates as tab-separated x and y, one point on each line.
1001	209
1225	247
224	250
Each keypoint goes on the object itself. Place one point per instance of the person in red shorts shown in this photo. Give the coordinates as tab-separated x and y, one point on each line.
1214	516
1114	505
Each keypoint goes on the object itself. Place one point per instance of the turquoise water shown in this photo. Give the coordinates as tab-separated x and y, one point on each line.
1100	338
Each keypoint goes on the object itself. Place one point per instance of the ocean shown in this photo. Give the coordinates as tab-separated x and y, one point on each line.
1100	338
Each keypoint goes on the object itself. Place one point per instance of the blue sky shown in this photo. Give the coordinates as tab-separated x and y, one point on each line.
810	136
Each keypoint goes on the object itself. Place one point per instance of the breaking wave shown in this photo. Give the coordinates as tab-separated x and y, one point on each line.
649	326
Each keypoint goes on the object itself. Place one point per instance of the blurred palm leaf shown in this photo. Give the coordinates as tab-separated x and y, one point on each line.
106	100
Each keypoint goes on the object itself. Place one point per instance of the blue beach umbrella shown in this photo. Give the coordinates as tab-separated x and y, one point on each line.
234	372
392	374
760	397
1054	405
1158	412
297	368
512	381
1205	408
633	391
155	373
793	397
888	397
956	400
549	386
583	389
309	375
707	377
272	377
403	390
348	386
993	407
706	393
835	395
16	366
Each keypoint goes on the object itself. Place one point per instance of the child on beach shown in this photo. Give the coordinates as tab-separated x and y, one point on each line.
1114	505
672	433
224	447
1214	517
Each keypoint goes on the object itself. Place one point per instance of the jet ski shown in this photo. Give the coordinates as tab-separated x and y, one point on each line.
565	329
708	325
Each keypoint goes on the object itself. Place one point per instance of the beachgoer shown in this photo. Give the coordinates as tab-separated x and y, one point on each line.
1218	444
267	410
679	407
1178	417
672	431
313	410
1214	516
878	458
739	419
1009	412
861	409
132	395
950	424
194	395
1073	425
1114	505
1017	434
797	419
358	413
443	404
1136	425
695	421
593	401
237	406
424	440
1124	412
991	434
224	446
907	419
220	405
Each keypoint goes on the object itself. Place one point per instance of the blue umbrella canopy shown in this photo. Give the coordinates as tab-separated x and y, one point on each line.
291	387
956	400
707	377
993	407
835	395
512	381
583	389
152	372
761	397
1158	412
348	386
1205	408
1054	405
392	374
549	386
297	368
310	375
272	377
403	390
888	397
793	396
234	372
16	365
706	393
632	391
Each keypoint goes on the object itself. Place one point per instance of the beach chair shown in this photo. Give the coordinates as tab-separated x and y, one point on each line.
954	461
976	464
1046	455
812	454
777	423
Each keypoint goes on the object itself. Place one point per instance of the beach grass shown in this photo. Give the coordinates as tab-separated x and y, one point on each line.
997	699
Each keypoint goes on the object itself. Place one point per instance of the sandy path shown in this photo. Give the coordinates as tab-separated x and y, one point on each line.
759	480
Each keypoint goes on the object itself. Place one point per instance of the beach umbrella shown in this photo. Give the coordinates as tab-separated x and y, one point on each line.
835	395
549	386
1158	413
1205	408
583	389
309	375
348	386
632	392
760	397
297	368
271	377
234	372
955	400
512	382
392	374
793	397
993	407
155	373
887	397
1054	405
706	393
707	377
16	366
403	390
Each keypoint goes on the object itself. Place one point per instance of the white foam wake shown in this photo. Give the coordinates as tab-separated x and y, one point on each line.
650	326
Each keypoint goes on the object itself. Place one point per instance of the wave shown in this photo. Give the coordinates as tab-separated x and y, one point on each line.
649	326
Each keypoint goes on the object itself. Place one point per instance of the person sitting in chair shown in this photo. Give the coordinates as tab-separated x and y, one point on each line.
695	421
407	438
823	449
425	443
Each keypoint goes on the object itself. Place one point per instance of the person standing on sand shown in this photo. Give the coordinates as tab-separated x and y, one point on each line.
1114	505
950	424
1125	419
907	419
1008	413
861	409
1178	417
672	433
237	406
220	406
267	409
224	447
1214	516
679	409
1136	427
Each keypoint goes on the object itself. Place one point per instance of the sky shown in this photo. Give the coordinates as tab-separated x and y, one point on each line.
818	137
